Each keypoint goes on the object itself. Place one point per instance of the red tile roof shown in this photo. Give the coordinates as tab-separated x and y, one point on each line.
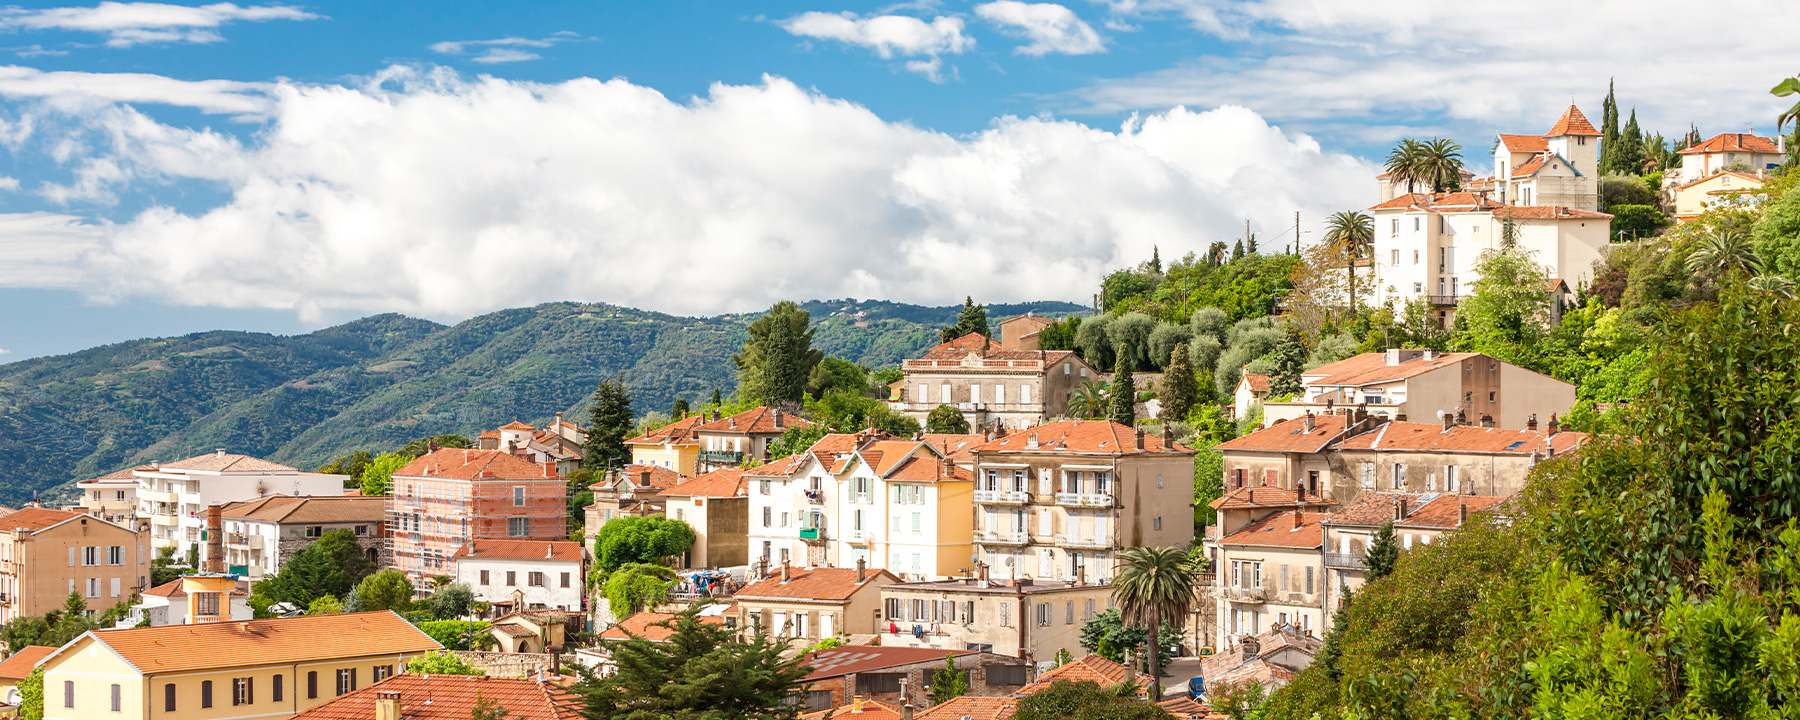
516	425
506	549
1530	167
680	432
1280	530
1452	202
1264	496
930	469
754	420
724	482
834	584
1445	512
309	509
1184	708
846	659
471	464
958	447
645	625
36	518
283	641
1432	437
1524	143
19	664
971	707
1373	509
1748	177
1372	368
644	477
1089	668
973	342
1548	212
1078	436
864	710
1290	436
128	474
1258	383
779	467
453	697
1572	122
1733	142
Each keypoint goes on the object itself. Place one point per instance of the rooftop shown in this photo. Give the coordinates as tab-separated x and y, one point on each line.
278	641
1524	143
20	663
1280	530
1290	436
724	482
309	509
1373	369
857	710
957	447
847	659
1572	122
833	584
36	519
503	549
679	432
646	625
755	420
997	587
453	697
472	464
971	707
1090	668
1265	496
1733	142
222	462
1432	437
1103	437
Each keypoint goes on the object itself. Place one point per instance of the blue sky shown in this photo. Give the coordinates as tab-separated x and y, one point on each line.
171	168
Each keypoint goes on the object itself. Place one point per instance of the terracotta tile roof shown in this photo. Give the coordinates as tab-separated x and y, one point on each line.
1264	496
1089	668
309	509
884	455
513	630
1432	437
471	464
1290	436
1747	177
958	447
1268	642
1258	383
1452	202
1279	530
1524	143
971	707
279	641
724	482
644	625
225	462
929	469
516	425
1572	122
680	432
779	467
1445	512
1373	509
1733	142
128	475
170	589
36	518
1257	671
866	710
1547	212
489	434
19	664
1530	167
1078	436
1184	708
506	549
846	659
973	342
833	584
658	477
754	420
1372	368
453	697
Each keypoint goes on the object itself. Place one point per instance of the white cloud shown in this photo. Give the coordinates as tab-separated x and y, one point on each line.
1504	68
42	249
127	24
608	191
1051	28
70	90
504	55
8	183
888	36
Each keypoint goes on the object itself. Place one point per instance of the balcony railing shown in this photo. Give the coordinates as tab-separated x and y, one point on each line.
1244	594
1446	300
812	533
1097	500
1003	537
1082	541
1002	497
1346	561
815	496
722	458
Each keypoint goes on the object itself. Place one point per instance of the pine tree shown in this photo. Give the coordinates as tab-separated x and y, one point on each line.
1383	552
1237	251
680	409
717	399
610	422
1290	357
1179	386
1123	395
1155	259
700	671
1250	244
972	320
778	356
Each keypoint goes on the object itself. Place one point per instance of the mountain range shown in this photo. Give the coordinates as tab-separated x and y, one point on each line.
382	381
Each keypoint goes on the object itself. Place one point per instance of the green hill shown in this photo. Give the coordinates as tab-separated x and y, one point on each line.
384	380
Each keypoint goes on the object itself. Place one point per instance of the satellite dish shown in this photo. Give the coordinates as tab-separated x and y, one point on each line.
1009	562
974	558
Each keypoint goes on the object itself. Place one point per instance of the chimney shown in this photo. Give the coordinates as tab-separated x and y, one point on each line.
1462	513
1449	420
1297	520
784	571
1140	439
550	469
777	417
1251	647
1031	441
1300	493
731	422
215	539
1487	421
862	569
856	705
555	659
549	551
1168	438
1531	423
1393	357
387	705
1462	418
1555	426
1404	510
1329	402
906	710
220	452
1306	421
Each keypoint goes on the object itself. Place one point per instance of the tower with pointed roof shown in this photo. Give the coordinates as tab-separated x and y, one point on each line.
1575	140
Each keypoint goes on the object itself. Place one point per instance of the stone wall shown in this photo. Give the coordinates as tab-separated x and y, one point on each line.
498	664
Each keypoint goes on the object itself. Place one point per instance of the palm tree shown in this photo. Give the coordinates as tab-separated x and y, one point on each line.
1724	252
1403	163
1354	232
1088	400
1154	586
1440	165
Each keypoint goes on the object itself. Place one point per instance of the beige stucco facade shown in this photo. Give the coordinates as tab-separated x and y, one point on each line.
720	526
103	561
1042	618
1475	386
1011	389
815	619
1259	586
1695	197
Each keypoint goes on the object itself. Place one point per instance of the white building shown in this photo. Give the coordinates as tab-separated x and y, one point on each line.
1728	151
112	497
545	574
1558	168
174	496
262	534
167	604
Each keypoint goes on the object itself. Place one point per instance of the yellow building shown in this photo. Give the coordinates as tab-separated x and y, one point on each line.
1694	198
674	446
268	669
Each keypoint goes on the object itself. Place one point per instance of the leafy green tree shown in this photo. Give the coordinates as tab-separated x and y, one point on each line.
631	540
1060	335
1121	396
23	631
1637	221
1629	155
699	673
1509	311
777	356
1354	233
486	709
1087	700
972	320
419	447
350	465
637	587
948	682
1096	345
796	439
331	565
1180	388
378	476
441	663
610	423
457	634
325	605
946	419
837	374
1240	701
451	601
1383	552
1156	586
1289	358
31	695
1107	635
1777	232
1130	335
385	590
1088	400
163	567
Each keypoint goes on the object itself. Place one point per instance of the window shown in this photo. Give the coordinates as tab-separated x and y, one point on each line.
115	587
512	578
1452	479
867	683
1069	613
117	700
1394	257
241	691
346	680
818	700
1418	224
314	531
784	519
169	697
518	527
534	579
362	531
115	555
1394	227
205	694
893	608
767	514
1490	396
944	394
382	672
1309	580
1418	288
275	687
917	522
974	393
312	685
1043	614
1399	476
1005	674
1025	390
90	556
207	603
1087	610
565	580
762	487
1005	614
484	577
1156	523
518	496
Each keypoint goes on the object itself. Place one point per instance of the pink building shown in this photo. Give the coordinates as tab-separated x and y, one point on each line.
445	499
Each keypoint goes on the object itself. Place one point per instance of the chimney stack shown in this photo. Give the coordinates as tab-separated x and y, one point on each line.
220	452
1300	493
1555	426
1531	423
1462	513
387	705
1168	438
784	571
1462	417
1297	520
215	539
1031	441
1487	421
1449	421
1306	421
1140	439
555	659
1251	647
777	416
862	569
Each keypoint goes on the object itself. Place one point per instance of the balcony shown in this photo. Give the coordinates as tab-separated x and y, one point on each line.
722	458
1083	541
814	496
1346	561
857	536
161	497
1003	537
1445	300
253	542
1244	594
1002	497
165	520
814	534
1090	500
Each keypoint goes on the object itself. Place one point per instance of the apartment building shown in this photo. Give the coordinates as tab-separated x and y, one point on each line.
534	574
1422	385
717	506
1023	618
262	534
730	440
174	496
1418	519
46	554
675	446
112	496
1269	574
814	603
227	670
559	442
996	385
450	496
1058	501
1744	152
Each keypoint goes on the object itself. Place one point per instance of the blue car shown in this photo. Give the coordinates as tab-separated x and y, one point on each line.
1196	688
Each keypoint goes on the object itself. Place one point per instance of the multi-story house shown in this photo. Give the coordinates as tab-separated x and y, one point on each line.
46	554
540	574
1694	198
717	507
729	441
674	446
1418	518
450	496
1742	152
112	496
265	669
1420	385
1023	618
559	442
1559	168
1269	573
174	496
814	603
996	385
630	491
1060	500
262	534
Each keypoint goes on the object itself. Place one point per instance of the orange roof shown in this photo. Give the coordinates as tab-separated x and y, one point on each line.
813	584
724	482
1452	202
489	434
471	464
308	509
171	589
755	420
1748	177
498	549
958	447
1264	496
36	518
1186	709
19	664
1533	165
973	342
973	708
516	425
779	467
129	475
225	462
930	469
885	455
1572	122
1374	509
1290	436
1090	668
658	477
1078	436
1372	368
1548	212
1258	383
865	710
1733	142
645	625
847	659
680	432
1280	530
453	697
278	641
1432	437
1445	512
1524	143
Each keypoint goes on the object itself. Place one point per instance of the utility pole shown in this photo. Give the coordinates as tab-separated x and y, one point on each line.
1296	232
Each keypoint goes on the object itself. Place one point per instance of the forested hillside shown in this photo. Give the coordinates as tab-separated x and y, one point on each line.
386	380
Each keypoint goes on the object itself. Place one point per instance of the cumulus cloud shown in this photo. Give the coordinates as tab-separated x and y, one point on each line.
8	183
609	191
888	36
1052	28
1331	64
128	24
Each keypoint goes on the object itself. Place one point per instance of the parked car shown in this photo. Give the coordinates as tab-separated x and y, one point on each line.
1196	688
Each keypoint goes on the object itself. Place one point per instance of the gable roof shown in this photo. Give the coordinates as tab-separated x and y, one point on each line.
1451	201
506	549
835	584
1732	142
20	664
1532	166
223	462
857	709
309	509
1548	212
930	469
473	464
1445	512
128	476
453	697
1747	177
37	519
680	432
847	659
779	467
724	482
1432	437
277	641
1290	436
1185	708
1524	143
1372	368
1078	436
1572	122
1264	496
755	420
1089	668
1280	530
971	707
649	476
1258	382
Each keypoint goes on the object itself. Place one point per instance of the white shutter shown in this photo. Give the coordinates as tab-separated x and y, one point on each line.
1044	526
974	393
1045	568
1025	390
1100	525
999	394
1044	482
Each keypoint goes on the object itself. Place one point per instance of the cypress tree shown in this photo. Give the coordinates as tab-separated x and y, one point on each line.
1609	130
1123	395
609	424
1179	386
778	355
1383	552
972	320
1630	158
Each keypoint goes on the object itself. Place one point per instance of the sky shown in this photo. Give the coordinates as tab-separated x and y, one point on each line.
169	168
